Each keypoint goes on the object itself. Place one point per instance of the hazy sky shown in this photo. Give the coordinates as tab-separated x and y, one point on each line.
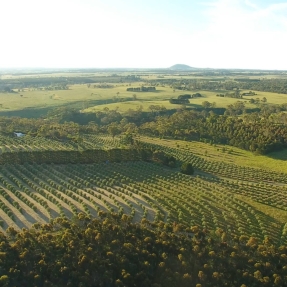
143	33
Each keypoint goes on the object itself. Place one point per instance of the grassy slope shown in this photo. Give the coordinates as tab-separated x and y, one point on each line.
275	213
35	98
275	161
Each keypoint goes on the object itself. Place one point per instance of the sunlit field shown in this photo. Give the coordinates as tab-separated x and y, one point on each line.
90	98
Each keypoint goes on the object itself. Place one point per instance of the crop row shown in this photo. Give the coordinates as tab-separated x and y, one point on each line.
223	169
140	189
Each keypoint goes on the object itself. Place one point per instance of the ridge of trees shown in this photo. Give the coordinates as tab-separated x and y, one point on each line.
141	89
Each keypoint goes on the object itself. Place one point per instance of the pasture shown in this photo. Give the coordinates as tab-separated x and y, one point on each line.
162	96
36	102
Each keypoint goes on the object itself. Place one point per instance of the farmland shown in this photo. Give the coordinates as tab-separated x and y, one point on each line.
232	189
33	95
95	99
93	186
240	199
37	193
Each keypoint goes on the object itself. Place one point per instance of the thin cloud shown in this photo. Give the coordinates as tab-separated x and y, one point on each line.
245	35
250	4
246	18
218	33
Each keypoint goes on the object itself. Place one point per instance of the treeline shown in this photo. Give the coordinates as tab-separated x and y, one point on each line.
265	85
112	251
141	89
235	95
101	86
84	157
179	101
252	132
6	85
184	99
262	132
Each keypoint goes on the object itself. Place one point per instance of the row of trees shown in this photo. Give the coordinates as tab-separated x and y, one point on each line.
179	101
141	89
86	156
7	85
275	85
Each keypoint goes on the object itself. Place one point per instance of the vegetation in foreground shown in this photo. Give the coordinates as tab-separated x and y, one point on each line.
112	251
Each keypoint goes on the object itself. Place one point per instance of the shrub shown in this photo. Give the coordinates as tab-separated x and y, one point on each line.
187	168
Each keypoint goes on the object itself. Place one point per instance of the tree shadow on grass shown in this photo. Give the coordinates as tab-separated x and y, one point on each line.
279	155
37	112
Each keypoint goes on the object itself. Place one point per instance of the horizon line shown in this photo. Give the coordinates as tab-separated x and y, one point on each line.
189	68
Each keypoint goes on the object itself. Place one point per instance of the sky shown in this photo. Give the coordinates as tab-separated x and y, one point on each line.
242	34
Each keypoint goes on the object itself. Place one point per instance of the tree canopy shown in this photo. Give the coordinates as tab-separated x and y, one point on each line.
187	168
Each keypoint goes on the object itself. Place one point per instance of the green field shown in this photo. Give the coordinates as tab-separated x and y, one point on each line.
166	93
89	99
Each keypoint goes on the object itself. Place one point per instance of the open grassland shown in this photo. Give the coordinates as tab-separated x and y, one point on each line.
164	94
32	98
93	98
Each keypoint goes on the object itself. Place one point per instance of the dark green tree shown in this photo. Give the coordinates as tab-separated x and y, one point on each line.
187	168
206	104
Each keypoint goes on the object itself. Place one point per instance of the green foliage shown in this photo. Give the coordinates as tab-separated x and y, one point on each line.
249	133
86	156
187	168
160	157
112	251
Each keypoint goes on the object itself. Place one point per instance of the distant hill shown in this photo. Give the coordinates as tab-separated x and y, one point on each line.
181	67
